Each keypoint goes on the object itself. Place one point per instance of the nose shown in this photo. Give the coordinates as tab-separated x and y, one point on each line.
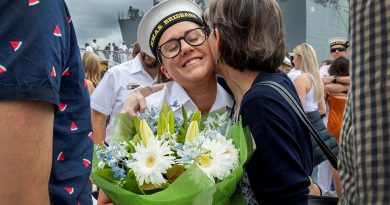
185	47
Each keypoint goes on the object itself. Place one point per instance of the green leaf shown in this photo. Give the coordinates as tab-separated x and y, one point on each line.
95	160
196	116
243	140
131	183
106	174
185	117
165	108
124	129
161	125
151	188
182	136
130	147
193	131
137	139
171	122
137	122
126	126
145	132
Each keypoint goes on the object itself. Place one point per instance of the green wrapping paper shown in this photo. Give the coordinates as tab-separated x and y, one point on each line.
193	186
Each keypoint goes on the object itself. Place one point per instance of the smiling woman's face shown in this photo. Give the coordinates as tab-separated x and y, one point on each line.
193	64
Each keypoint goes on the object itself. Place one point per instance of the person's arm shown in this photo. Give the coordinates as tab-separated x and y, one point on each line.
102	103
346	80
90	86
26	135
333	88
302	85
99	122
322	107
136	100
103	199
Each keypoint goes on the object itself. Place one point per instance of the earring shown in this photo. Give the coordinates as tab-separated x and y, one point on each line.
217	61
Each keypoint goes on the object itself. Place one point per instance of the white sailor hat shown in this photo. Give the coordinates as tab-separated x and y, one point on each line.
287	61
161	17
338	41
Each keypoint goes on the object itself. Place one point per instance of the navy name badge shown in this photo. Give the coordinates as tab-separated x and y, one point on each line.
131	86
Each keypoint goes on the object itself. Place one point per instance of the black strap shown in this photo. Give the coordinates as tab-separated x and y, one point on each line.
301	114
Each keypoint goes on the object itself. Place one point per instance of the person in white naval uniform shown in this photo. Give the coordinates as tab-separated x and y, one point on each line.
123	51
185	57
108	97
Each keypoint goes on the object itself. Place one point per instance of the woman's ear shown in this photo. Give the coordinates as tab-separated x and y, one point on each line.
217	40
164	70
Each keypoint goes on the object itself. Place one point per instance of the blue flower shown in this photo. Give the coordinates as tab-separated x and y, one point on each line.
113	164
212	134
177	146
108	154
100	155
119	174
178	121
187	159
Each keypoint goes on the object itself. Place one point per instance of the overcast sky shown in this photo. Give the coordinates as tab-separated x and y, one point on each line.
99	18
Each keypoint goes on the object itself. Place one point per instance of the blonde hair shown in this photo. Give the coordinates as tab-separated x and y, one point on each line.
91	67
309	66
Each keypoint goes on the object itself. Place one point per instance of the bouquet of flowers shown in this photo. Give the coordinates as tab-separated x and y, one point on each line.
155	158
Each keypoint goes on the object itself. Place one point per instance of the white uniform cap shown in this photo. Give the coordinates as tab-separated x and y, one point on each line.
161	17
287	61
338	41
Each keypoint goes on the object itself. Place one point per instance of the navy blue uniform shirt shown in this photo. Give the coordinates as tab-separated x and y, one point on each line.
40	60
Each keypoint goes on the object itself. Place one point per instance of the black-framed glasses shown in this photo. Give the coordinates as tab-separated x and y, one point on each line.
332	50
194	37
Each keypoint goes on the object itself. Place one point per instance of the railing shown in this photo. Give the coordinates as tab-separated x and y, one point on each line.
111	58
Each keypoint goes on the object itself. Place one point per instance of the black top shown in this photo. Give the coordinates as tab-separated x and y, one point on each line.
279	169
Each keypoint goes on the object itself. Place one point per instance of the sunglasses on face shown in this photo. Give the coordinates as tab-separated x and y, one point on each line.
332	50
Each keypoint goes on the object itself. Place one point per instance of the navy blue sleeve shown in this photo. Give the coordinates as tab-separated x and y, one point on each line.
279	169
34	41
40	60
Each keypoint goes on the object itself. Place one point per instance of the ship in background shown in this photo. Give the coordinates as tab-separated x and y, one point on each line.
310	21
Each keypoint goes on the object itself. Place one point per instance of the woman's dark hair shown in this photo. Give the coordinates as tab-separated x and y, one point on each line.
339	67
327	62
251	32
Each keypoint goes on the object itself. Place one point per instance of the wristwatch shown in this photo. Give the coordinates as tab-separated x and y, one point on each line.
334	79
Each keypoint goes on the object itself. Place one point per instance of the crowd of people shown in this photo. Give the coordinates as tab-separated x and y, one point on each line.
57	109
113	52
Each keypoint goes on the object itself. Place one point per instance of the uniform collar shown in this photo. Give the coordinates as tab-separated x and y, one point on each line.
178	94
139	67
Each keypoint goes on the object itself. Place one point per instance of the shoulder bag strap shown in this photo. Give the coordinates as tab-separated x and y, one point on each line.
301	114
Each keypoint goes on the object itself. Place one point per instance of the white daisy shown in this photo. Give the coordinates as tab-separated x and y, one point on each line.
151	161
217	159
230	150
